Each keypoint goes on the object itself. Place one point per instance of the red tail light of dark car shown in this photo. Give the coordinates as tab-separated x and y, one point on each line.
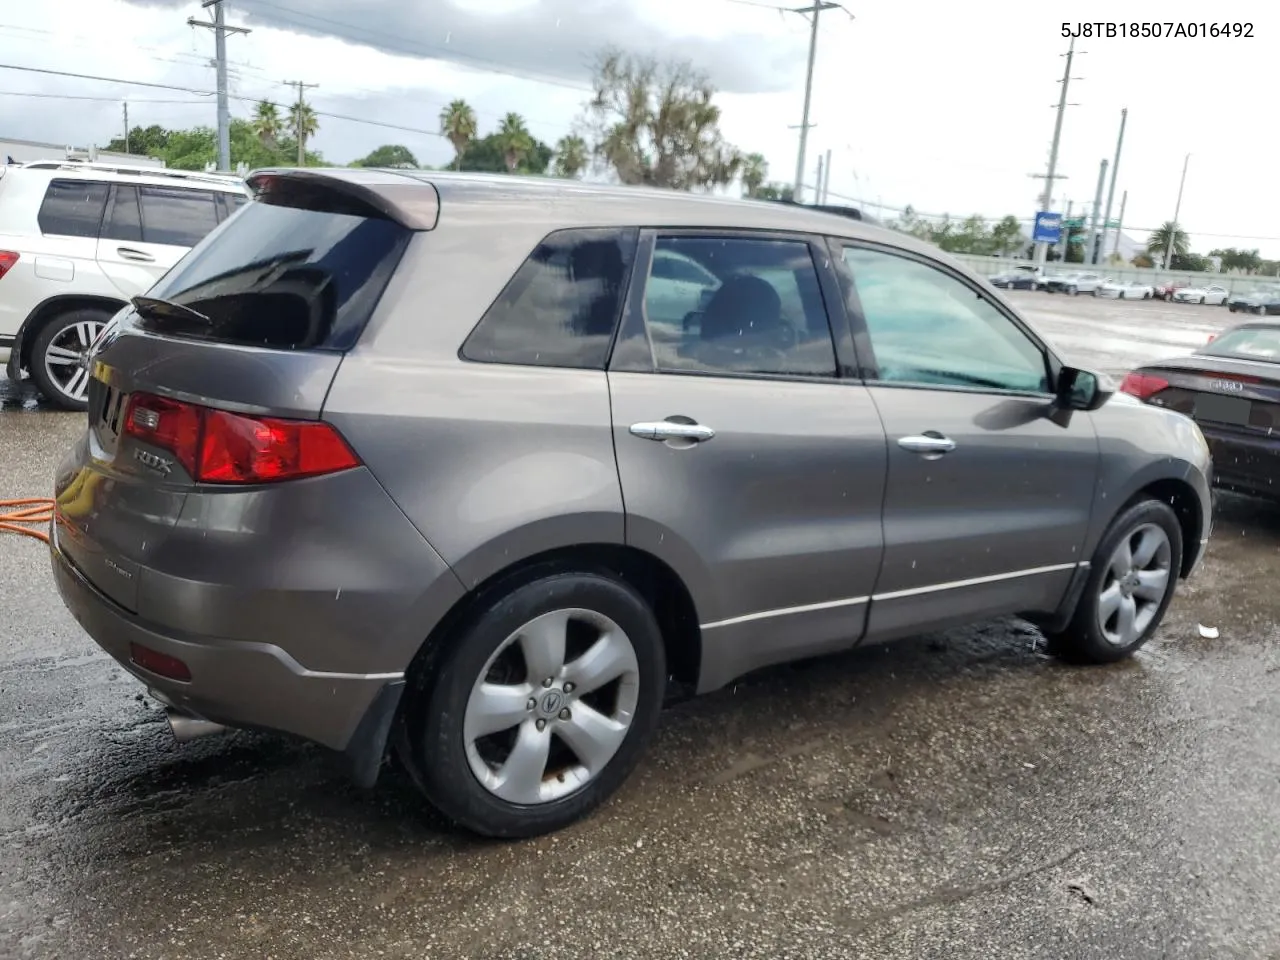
1142	385
216	446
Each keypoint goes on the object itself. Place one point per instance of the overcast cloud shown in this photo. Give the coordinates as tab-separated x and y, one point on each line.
941	105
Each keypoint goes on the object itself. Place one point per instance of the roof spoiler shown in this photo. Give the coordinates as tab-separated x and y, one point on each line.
413	204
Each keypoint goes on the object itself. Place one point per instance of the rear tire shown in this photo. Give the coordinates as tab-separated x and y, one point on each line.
61	377
528	668
1132	579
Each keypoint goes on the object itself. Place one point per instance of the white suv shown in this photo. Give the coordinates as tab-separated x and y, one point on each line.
77	241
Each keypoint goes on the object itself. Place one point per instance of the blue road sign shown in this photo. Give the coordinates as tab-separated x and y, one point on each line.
1048	228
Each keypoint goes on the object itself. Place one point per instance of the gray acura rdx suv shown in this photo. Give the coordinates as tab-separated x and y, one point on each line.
479	469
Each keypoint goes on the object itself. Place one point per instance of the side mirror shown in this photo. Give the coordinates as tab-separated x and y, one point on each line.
1083	389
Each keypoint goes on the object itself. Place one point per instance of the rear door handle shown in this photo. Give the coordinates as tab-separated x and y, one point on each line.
930	444
666	430
141	256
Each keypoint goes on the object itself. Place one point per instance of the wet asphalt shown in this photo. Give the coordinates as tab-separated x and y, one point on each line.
959	795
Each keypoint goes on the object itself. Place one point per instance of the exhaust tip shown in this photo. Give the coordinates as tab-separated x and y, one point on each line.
186	727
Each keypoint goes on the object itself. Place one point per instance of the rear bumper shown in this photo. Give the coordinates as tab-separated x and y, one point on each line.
1243	463
235	683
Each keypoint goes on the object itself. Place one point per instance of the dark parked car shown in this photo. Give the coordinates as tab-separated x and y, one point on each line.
1020	278
1263	302
444	461
1231	387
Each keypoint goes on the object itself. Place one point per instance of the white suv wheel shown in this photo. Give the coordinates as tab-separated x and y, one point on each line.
60	357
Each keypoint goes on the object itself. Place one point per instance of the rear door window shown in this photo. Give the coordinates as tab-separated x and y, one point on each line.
285	277
73	208
561	307
124	220
176	216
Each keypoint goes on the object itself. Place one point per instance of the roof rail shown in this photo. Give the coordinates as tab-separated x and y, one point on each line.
852	213
133	170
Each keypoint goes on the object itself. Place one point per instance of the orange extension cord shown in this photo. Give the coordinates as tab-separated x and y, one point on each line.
15	515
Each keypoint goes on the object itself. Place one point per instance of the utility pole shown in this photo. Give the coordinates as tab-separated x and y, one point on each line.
1091	252
126	126
1115	168
1115	251
826	180
220	31
1066	233
812	12
1046	198
1168	254
297	107
817	189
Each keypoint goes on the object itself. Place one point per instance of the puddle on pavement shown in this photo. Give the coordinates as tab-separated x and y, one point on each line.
20	396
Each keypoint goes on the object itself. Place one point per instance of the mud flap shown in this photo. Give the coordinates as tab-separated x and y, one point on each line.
367	748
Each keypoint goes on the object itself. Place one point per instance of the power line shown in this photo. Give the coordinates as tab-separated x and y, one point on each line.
68	96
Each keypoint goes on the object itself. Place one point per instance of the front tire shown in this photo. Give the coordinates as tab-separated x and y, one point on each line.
1131	581
538	709
60	357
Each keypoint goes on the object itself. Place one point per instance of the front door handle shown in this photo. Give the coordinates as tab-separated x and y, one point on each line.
666	430
141	256
931	444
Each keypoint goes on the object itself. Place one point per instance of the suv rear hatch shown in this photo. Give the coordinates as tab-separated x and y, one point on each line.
215	380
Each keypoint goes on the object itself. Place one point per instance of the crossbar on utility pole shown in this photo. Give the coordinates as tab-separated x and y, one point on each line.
1168	253
220	31
813	11
1115	168
299	131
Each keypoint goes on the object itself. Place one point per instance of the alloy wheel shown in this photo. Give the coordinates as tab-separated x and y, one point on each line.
1139	575
66	359
551	707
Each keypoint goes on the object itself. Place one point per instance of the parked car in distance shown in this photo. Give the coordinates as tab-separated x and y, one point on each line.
1231	387
77	240
1212	294
1263	302
1124	290
1019	278
1074	283
497	540
1167	288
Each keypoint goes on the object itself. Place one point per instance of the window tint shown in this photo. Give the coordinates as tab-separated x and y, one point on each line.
73	208
758	309
175	216
561	307
124	222
278	276
927	327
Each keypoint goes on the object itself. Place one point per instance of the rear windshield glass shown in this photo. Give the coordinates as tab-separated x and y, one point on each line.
1254	343
283	277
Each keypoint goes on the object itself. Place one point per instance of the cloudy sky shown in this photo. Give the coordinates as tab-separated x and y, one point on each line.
942	105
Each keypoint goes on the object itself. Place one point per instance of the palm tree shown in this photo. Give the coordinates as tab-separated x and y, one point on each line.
1170	235
266	123
571	156
458	124
515	139
755	171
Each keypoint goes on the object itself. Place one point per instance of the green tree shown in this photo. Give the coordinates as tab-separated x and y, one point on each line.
266	123
1248	261
458	124
393	156
515	139
303	123
654	123
755	171
1143	262
1006	236
488	155
571	157
143	142
776	191
1169	236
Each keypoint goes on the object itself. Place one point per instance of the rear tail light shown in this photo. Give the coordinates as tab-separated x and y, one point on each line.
1212	337
1142	385
7	259
215	446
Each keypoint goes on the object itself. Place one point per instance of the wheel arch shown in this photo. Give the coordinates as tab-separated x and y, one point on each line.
47	311
659	584
1182	499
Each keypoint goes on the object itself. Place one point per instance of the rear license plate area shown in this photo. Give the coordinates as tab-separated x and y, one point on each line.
1232	410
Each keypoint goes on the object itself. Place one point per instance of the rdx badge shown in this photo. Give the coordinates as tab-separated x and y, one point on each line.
154	461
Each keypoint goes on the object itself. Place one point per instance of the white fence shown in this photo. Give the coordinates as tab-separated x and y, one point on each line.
1234	282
